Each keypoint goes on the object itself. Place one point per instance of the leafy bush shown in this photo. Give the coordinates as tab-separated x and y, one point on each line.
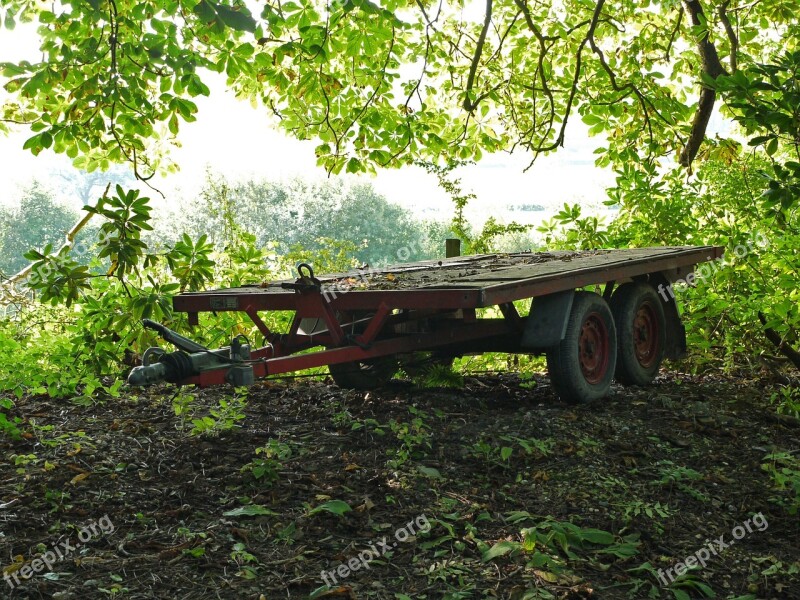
81	323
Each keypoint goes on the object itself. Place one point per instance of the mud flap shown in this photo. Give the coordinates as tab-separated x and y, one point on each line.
675	338
547	321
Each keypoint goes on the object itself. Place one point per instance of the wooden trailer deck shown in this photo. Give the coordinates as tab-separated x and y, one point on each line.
460	282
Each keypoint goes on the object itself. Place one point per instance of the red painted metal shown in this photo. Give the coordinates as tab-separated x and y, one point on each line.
375	325
594	349
260	325
235	300
646	335
286	364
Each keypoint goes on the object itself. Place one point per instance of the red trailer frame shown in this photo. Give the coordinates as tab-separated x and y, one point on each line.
364	315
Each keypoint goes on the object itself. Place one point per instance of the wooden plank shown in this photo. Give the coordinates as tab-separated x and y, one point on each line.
621	269
565	267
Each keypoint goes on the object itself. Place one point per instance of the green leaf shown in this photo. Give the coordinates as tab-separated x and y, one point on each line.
760	139
33	143
337	507
429	472
220	16
772	146
597	536
591	119
239	19
500	549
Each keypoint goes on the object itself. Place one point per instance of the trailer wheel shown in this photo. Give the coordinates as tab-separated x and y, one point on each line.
641	326
417	364
581	366
364	375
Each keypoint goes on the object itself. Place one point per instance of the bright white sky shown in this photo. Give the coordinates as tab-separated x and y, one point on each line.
238	141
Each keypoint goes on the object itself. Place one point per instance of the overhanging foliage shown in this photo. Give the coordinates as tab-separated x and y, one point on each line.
388	83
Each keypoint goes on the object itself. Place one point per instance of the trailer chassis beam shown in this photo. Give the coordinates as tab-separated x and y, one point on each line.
265	363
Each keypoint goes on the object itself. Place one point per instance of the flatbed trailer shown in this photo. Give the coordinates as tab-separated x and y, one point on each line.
365	323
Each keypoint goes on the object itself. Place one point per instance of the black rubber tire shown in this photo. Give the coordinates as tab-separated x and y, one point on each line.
417	364
363	375
582	365
641	332
366	375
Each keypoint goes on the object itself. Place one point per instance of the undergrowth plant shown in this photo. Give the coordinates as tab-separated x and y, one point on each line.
268	461
786	401
784	468
548	544
439	376
226	416
414	436
9	423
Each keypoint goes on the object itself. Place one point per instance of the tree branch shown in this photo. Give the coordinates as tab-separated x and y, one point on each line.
473	68
784	348
722	11
711	67
674	33
543	49
610	72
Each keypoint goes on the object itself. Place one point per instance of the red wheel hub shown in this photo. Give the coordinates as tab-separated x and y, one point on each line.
646	335
593	349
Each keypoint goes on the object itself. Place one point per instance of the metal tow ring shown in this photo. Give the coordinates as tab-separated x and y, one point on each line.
305	282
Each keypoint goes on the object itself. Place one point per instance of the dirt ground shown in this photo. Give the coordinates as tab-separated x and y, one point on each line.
494	490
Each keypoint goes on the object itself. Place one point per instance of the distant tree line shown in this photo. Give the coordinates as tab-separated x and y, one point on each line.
299	213
40	216
297	217
38	220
